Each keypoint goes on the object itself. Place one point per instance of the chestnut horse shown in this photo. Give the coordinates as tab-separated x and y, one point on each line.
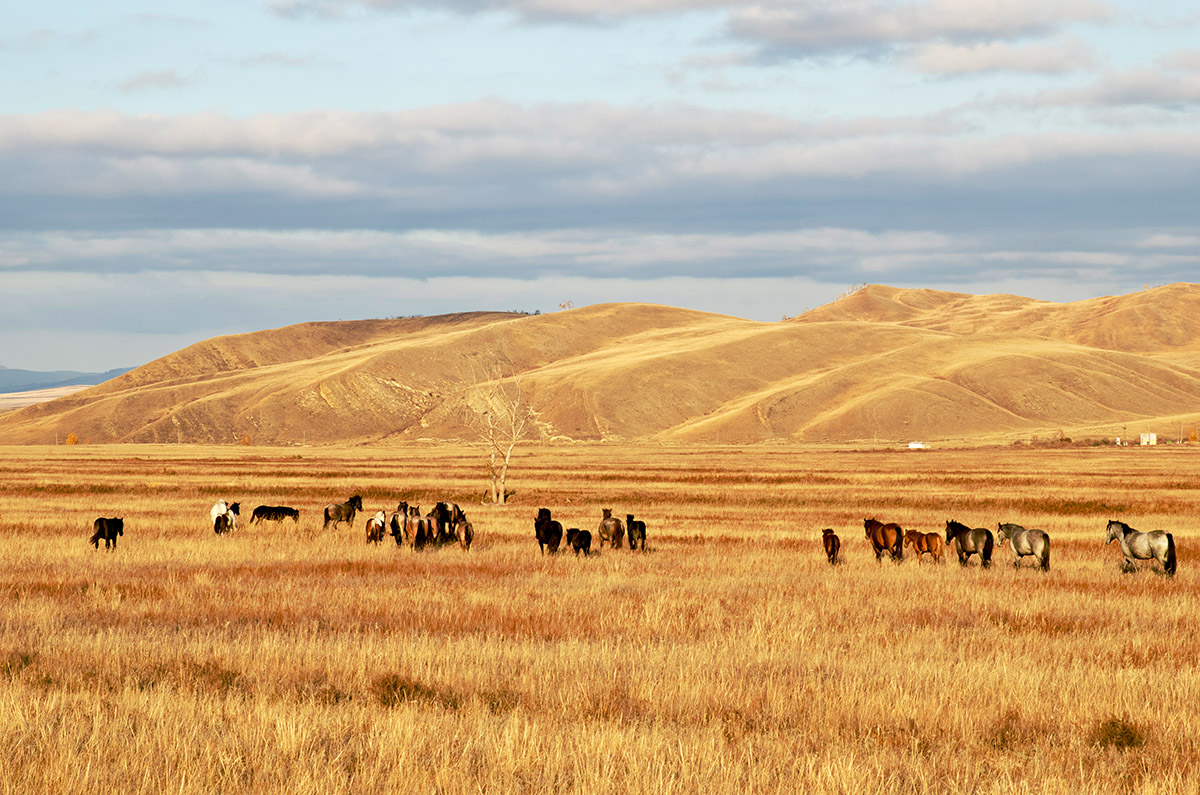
887	538
923	543
832	545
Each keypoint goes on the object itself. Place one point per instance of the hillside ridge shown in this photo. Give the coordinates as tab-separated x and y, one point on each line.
881	363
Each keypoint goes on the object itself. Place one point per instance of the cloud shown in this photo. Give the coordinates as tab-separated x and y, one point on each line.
1132	88
1052	58
869	28
585	11
159	80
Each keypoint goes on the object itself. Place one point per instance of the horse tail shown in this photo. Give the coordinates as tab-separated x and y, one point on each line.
989	543
1169	563
1045	552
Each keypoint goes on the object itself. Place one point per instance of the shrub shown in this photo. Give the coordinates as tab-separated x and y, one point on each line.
72	439
245	440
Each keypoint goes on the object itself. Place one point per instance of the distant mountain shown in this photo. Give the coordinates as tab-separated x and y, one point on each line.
881	364
28	380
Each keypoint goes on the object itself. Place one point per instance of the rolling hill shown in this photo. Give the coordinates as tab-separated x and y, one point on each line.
881	364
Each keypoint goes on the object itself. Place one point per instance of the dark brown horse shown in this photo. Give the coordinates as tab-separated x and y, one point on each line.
635	531
970	541
549	532
107	529
832	544
580	541
887	538
336	512
925	543
611	530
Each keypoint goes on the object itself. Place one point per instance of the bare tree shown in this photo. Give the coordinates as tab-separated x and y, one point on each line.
499	416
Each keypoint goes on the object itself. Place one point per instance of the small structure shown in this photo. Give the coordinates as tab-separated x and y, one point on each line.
916	445
1149	438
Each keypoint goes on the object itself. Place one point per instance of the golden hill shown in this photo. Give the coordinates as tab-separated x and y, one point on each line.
881	364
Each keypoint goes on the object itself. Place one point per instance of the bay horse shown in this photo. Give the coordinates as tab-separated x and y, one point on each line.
970	541
1024	542
375	527
580	541
466	534
832	545
337	512
274	513
107	529
1136	545
611	530
549	532
635	531
885	538
398	523
925	543
422	529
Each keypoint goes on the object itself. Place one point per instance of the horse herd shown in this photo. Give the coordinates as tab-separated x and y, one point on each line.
549	533
966	541
447	524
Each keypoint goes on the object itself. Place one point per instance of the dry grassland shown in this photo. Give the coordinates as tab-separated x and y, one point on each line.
730	658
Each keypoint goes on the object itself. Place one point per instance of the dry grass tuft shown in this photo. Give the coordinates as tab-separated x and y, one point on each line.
1117	733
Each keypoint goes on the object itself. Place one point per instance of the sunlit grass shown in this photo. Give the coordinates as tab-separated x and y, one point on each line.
729	658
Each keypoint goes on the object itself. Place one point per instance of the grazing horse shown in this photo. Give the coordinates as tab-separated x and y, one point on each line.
885	538
968	542
1025	542
107	529
635	531
219	508
375	527
274	513
925	543
1135	545
832	544
579	540
549	532
337	512
611	529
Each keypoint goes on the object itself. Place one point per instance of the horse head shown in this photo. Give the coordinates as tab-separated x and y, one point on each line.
607	513
1114	531
1001	533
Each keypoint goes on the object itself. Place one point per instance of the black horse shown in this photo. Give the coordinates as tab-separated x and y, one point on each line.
107	529
549	532
336	512
635	531
274	513
580	541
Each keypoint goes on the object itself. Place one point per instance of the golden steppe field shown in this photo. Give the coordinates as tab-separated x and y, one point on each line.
728	658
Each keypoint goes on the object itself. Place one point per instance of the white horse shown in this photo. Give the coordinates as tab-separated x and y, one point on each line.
1026	542
1135	545
229	511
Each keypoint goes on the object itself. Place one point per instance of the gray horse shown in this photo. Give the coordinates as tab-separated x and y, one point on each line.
970	541
1025	542
1135	545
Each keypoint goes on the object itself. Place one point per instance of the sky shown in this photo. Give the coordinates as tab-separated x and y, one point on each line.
167	176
